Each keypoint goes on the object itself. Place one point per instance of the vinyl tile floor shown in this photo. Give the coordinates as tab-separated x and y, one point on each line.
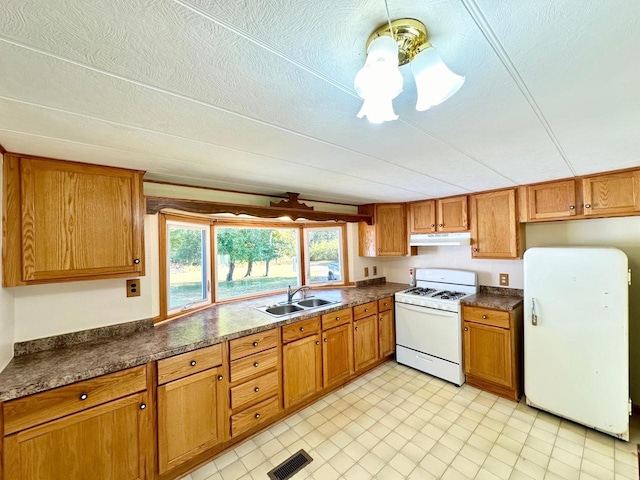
398	423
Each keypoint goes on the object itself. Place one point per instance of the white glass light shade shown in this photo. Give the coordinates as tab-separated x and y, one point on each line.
435	83
379	81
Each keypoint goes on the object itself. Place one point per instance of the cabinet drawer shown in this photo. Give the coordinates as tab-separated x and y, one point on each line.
258	342
42	407
364	310
340	317
254	390
187	363
299	330
253	416
253	364
385	304
496	318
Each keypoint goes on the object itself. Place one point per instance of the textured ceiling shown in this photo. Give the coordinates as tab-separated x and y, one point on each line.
258	95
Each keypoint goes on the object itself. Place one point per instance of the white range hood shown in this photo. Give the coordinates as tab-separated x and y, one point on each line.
438	239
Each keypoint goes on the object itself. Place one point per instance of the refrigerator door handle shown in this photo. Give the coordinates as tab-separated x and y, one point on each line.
534	317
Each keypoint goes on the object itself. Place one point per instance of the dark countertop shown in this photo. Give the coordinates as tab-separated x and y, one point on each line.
42	371
491	300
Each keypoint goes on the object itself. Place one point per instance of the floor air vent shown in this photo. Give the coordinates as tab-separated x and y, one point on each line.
290	466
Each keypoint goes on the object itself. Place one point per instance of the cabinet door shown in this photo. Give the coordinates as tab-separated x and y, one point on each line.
612	194
487	353
337	354
109	442
494	225
452	214
422	217
79	220
190	417
391	229
552	200
302	369
365	339
387	333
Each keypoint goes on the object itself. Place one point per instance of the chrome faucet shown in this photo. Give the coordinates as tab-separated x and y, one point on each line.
291	293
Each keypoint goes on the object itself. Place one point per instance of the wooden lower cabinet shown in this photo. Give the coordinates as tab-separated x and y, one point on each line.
337	354
386	333
109	442
190	417
492	350
302	369
365	341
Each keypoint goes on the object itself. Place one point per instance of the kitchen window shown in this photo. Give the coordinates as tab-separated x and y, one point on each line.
187	265
215	260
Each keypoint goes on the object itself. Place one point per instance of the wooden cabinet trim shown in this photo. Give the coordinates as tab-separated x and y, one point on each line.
258	342
43	407
486	316
247	367
334	319
365	310
179	366
300	329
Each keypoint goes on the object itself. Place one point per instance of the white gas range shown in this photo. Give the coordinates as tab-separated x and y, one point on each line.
429	322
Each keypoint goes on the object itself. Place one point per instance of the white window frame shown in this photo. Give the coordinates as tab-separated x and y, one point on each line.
206	228
307	260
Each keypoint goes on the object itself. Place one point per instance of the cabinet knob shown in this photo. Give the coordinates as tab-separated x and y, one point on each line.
193	363
475	249
143	406
257	389
337	318
317	343
484	317
433	225
255	344
588	205
219	377
256	364
571	207
136	261
257	415
381	318
302	329
441	225
84	396
356	329
366	310
466	329
326	340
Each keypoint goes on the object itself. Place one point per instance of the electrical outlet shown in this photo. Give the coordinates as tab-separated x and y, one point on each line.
366	271
504	279
375	271
133	287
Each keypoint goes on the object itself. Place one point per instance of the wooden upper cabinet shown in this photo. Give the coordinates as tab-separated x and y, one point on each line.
552	200
442	215
616	193
495	230
71	221
388	235
452	214
422	217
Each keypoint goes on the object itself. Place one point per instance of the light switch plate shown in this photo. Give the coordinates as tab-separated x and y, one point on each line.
504	279
366	271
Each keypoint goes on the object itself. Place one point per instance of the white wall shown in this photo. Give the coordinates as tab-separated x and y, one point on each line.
45	310
7	314
357	263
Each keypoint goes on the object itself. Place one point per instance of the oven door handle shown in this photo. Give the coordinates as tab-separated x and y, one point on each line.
429	310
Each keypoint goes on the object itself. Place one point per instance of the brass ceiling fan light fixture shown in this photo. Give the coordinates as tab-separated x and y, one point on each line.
396	43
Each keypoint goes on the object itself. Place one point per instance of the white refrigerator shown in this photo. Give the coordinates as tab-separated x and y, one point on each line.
576	335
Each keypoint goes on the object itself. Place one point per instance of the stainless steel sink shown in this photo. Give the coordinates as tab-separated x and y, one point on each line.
283	309
314	302
298	306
